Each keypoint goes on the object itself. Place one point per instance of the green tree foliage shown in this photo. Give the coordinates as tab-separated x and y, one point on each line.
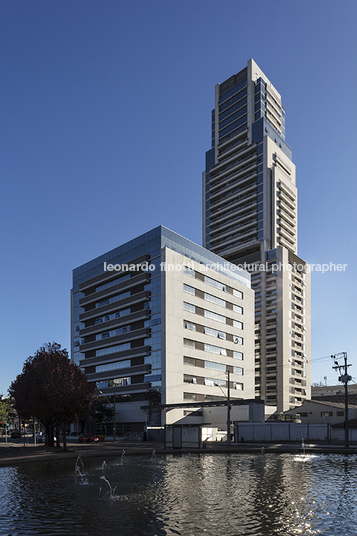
52	389
3	412
100	411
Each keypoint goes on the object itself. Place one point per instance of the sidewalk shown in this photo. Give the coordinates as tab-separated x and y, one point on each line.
16	453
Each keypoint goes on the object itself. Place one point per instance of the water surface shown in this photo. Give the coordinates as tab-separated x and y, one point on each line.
213	495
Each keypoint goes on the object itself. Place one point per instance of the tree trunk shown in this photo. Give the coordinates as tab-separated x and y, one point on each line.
58	441
48	432
64	436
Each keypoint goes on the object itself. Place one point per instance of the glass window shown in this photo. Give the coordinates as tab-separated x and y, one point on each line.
237	293
113	349
214	299
215	366
189	271
189	325
187	378
215	316
237	324
237	340
119	382
189	343
238	370
215	333
237	355
113	366
238	386
189	307
189	361
189	290
190	397
215	283
238	309
215	349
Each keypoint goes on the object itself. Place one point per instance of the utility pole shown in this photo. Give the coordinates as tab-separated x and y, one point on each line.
228	411
228	407
344	378
114	423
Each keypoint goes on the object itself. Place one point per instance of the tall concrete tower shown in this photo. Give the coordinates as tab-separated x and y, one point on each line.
250	219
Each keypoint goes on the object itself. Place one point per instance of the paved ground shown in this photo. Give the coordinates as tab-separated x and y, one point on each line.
15	451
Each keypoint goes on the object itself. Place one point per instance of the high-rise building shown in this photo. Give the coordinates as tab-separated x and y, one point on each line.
250	219
161	321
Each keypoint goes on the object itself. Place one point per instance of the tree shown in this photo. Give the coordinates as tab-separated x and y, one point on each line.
3	413
52	389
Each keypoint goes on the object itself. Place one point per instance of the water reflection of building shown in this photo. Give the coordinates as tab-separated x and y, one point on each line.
147	335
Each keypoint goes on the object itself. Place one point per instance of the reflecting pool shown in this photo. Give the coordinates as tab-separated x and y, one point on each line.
188	495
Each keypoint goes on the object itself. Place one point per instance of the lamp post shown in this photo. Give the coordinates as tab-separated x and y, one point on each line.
228	407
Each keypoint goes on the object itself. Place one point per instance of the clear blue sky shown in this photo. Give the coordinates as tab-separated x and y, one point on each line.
105	120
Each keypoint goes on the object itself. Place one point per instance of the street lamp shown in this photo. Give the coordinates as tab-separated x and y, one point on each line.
113	406
228	408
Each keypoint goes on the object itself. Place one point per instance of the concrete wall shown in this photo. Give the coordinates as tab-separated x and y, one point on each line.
291	433
174	333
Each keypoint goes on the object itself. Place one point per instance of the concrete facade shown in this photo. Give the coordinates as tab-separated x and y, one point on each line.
250	219
314	411
161	320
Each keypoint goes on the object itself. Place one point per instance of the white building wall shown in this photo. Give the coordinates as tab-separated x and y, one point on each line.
175	371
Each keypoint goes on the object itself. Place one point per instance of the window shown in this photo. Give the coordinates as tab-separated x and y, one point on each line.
238	309
326	413
119	382
189	397
215	349
215	366
101	303
189	271
113	366
237	293
189	361
303	414
215	316
214	299
215	333
238	370
189	325
238	386
121	313
189	307
113	349
340	413
237	324
189	290
189	343
215	283
238	355
187	378
212	382
237	340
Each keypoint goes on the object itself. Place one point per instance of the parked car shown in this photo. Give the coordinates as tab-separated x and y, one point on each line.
87	438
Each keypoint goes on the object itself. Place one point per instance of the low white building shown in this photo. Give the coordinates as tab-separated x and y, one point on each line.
315	411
